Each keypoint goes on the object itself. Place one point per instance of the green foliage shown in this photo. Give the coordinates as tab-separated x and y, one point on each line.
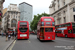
37	17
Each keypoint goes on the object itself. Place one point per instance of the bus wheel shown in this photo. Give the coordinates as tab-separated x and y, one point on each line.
66	36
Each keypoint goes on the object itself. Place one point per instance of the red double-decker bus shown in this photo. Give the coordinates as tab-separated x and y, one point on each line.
65	30
46	28
23	30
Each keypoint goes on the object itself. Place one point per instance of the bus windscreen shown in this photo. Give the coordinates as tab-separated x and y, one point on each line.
73	25
23	29
48	29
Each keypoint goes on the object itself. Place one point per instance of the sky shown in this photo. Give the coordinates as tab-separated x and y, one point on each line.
39	6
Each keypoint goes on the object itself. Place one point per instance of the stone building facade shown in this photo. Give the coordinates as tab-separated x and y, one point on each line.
1	9
4	11
1	5
11	17
62	11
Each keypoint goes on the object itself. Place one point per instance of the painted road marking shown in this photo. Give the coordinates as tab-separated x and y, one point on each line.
12	45
65	40
27	41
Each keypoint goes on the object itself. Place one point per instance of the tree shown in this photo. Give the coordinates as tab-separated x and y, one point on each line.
37	17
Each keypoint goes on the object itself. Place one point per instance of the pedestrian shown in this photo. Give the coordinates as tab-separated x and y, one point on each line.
13	35
6	35
9	36
2	34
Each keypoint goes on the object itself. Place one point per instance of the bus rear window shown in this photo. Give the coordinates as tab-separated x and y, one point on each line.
48	29
23	29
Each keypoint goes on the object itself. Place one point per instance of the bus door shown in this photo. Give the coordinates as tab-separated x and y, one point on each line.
42	33
49	33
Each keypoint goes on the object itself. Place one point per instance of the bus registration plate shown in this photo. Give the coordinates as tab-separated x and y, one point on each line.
23	35
48	37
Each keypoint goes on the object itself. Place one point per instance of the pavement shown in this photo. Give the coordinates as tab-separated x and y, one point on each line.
4	45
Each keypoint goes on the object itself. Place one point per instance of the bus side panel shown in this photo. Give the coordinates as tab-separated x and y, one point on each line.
74	35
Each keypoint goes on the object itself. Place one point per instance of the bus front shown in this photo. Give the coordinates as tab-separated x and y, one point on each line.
73	26
47	28
23	30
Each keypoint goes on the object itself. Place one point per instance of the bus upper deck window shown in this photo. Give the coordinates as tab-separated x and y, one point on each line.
53	23
59	25
42	23
73	24
68	24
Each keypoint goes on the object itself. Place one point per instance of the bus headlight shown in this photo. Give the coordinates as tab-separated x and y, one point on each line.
18	31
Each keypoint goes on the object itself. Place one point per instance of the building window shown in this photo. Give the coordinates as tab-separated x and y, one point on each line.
13	23
64	3
16	16
73	9
12	13
59	14
74	18
16	13
59	20
64	20
63	12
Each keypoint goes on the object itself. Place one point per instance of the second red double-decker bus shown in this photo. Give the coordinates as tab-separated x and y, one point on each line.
46	28
23	30
65	30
